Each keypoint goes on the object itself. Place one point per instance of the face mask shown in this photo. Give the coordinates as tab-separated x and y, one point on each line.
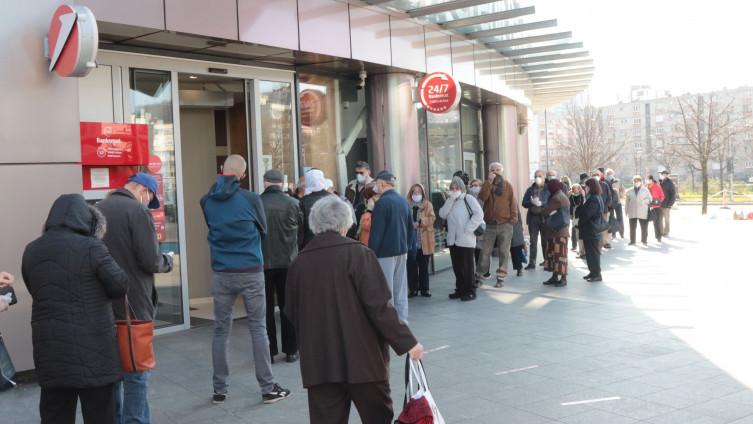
376	188
638	185
454	194
662	177
475	189
539	181
549	177
576	194
417	197
360	178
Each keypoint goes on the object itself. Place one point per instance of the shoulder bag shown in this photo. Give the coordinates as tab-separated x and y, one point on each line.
481	229
135	342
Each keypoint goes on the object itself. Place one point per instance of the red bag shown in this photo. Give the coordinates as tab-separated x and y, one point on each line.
419	406
135	343
417	411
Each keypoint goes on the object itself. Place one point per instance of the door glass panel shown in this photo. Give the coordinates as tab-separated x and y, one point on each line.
319	135
469	117
151	103
275	103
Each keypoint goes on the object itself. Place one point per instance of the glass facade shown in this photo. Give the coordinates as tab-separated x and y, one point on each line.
151	103
276	107
471	130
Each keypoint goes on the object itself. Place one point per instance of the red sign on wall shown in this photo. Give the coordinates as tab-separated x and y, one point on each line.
439	92
106	177
155	164
114	144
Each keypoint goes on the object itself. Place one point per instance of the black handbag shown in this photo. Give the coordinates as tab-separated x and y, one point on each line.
481	229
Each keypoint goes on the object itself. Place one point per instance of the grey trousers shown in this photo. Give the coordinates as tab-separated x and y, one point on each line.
397	281
665	219
494	233
225	290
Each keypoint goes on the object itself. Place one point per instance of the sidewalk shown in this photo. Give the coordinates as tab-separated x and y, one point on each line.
664	339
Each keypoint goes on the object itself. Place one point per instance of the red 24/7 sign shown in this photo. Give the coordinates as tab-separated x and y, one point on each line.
439	92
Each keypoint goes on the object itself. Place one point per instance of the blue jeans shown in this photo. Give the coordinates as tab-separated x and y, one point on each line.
131	402
250	287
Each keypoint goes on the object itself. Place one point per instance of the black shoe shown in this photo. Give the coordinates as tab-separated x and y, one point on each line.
219	398
487	275
645	243
587	276
520	273
468	297
291	358
542	264
413	294
607	246
550	282
530	267
271	359
425	294
595	279
277	394
500	283
632	243
455	295
477	283
561	283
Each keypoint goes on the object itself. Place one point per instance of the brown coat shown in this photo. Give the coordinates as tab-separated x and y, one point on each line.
339	303
557	201
428	218
502	209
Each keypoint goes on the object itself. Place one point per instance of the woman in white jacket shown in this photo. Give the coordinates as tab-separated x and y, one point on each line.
463	215
637	202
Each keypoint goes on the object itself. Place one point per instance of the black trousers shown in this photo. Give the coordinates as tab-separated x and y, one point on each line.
274	280
620	224
517	254
58	405
418	272
644	229
593	255
330	403
464	267
535	229
658	227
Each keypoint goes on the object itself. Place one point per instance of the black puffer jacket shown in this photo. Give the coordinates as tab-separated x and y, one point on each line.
72	277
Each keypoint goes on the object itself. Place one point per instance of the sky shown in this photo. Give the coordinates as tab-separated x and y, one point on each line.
680	46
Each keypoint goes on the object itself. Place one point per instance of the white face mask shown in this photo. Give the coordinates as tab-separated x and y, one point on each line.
662	177
539	181
475	189
360	178
638	184
417	198
454	194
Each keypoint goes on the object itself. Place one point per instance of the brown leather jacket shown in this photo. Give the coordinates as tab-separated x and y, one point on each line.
502	209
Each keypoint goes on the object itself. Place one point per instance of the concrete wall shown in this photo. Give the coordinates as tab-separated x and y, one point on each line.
39	141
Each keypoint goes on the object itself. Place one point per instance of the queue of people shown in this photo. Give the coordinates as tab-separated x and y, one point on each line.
337	268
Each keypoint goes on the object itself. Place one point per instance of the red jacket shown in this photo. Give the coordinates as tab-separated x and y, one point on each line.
656	194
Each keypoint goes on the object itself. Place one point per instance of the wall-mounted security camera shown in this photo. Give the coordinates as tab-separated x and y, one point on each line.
361	80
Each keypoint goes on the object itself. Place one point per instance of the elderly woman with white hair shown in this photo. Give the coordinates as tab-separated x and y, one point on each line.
464	215
339	304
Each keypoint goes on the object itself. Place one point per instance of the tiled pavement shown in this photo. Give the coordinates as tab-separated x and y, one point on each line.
665	339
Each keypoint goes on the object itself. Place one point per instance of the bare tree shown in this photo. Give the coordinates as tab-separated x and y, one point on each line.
704	127
587	147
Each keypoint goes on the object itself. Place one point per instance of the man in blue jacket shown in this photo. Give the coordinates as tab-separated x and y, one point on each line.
391	233
237	225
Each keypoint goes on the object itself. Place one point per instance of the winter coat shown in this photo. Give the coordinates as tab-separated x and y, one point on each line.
559	202
284	228
237	225
499	209
364	229
592	209
534	216
670	193
354	194
392	231
636	204
606	195
460	223
339	303
132	241
72	278
575	203
426	219
657	195
307	202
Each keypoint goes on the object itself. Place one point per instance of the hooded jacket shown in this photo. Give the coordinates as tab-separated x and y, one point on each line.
72	278
132	241
237	226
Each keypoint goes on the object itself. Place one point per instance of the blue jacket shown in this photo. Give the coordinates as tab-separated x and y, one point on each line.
237	226
528	204
392	229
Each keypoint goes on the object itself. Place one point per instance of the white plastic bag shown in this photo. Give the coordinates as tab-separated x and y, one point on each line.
418	387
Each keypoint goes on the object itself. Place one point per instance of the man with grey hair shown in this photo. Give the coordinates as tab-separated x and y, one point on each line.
344	275
391	233
237	225
500	214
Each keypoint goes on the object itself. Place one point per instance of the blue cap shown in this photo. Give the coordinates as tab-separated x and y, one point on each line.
149	182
